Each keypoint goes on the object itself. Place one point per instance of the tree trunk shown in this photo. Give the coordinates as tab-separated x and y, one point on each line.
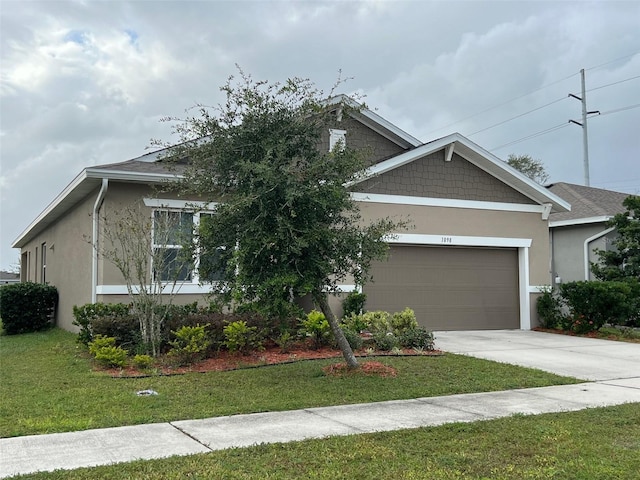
341	340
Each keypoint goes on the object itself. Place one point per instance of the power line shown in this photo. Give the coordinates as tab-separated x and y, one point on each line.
502	104
560	126
611	61
518	116
533	135
614	83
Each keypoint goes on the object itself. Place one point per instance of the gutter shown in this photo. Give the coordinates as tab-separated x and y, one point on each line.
94	238
586	249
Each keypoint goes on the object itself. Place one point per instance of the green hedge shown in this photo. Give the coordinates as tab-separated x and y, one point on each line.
27	307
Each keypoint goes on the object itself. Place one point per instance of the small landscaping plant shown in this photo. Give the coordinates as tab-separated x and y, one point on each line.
142	361
106	353
403	321
417	338
239	337
190	344
316	327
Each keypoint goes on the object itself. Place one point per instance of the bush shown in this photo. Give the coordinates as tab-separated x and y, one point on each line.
549	308
386	341
403	321
86	314
190	344
418	338
592	304
353	303
355	322
316	326
378	321
142	362
27	307
125	328
104	350
353	337
239	337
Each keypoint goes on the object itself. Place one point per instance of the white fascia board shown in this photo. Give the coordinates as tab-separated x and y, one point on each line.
56	201
128	176
445	202
579	221
179	204
376	119
457	240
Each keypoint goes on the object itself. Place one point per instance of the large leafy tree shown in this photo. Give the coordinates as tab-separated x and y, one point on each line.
532	168
623	261
285	225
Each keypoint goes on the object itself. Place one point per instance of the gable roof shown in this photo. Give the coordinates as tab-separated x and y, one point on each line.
149	168
588	204
482	159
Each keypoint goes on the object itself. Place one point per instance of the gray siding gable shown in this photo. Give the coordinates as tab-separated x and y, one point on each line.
431	176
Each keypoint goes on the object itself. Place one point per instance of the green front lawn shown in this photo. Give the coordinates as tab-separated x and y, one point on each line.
595	444
49	386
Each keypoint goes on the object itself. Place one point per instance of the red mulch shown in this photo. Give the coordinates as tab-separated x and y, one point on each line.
225	361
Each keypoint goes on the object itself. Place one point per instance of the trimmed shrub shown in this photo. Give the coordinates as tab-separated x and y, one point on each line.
142	361
355	322
190	344
125	328
86	314
353	337
353	303
239	337
386	341
105	352
549	308
592	304
316	326
27	307
403	321
418	337
378	321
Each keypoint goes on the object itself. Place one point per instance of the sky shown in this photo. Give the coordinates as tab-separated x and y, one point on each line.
85	83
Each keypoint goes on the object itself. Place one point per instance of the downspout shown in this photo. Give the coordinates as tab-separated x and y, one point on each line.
94	238
586	249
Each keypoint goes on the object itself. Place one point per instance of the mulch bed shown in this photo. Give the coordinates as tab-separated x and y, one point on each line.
225	361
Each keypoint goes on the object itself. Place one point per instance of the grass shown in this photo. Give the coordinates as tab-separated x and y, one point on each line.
601	444
48	386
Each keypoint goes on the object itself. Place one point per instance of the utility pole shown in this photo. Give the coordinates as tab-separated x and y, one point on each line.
585	135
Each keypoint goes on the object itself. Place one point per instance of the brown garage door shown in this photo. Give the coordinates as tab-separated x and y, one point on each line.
449	288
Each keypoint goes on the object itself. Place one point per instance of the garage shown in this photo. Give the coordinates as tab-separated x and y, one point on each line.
449	288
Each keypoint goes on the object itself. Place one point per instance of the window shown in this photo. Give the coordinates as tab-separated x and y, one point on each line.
337	137
209	269
172	230
43	265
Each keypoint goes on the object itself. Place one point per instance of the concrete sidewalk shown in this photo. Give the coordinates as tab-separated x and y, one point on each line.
22	455
613	366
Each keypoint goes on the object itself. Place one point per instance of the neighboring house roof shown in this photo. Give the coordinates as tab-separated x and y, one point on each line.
588	204
9	277
151	169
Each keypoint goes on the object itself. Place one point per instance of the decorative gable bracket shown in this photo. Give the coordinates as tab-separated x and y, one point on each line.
448	152
546	211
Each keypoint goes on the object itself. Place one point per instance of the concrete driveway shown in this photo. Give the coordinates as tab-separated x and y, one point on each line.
584	358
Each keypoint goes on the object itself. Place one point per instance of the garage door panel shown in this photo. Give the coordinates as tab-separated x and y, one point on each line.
449	288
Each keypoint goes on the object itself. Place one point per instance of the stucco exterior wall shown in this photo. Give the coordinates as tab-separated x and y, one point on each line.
68	259
478	223
568	249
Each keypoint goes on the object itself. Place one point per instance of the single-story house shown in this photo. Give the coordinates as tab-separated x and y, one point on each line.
475	259
576	234
7	278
